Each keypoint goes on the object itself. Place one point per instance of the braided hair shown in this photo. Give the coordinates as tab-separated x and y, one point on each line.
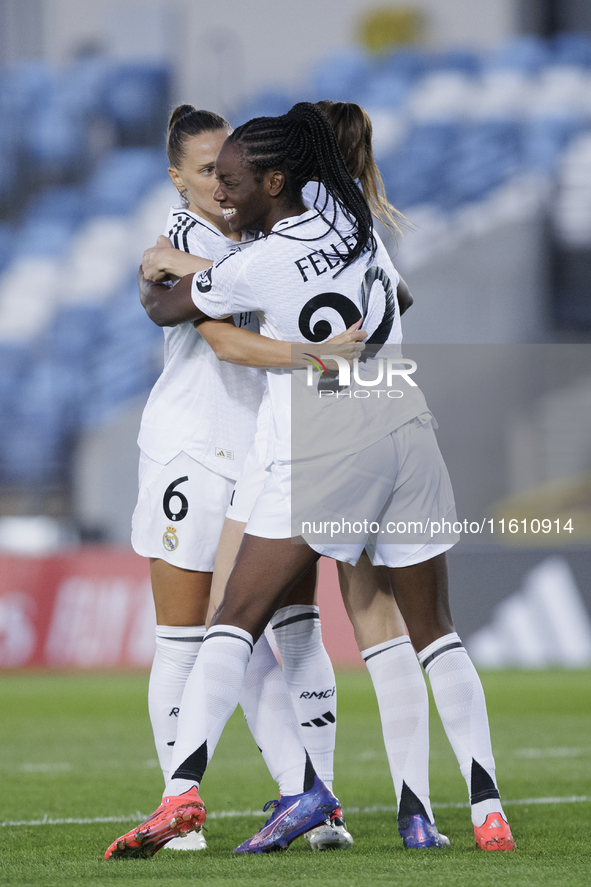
303	146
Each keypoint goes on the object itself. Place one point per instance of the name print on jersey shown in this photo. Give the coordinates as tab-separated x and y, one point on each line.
320	261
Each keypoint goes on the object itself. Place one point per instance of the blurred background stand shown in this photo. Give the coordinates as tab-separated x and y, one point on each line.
482	130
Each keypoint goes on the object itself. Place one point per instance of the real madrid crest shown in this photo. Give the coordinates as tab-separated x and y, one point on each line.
170	539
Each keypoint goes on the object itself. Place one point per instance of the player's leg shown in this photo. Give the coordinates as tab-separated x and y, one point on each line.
308	672
176	524
423	495
265	571
227	552
401	693
421	592
181	599
311	680
264	686
306	666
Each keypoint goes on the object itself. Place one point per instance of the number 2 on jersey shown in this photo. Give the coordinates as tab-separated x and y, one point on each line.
349	311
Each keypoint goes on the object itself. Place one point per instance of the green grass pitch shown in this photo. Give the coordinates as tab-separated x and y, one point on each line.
75	747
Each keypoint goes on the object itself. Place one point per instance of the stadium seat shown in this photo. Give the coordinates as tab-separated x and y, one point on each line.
340	77
123	178
136	99
527	54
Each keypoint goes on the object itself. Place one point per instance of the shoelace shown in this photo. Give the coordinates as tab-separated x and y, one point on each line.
270	804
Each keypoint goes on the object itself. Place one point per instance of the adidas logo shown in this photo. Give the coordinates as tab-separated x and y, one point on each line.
495	824
319	722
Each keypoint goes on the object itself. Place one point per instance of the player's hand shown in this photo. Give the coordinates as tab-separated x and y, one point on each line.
349	344
156	261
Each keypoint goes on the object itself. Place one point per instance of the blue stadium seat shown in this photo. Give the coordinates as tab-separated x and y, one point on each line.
265	104
385	90
545	140
415	172
408	63
75	333
56	139
485	156
340	77
572	49
127	359
58	202
528	54
463	60
26	86
34	447
136	99
82	87
123	178
44	237
6	243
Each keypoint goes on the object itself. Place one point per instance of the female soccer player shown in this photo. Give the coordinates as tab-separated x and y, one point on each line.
378	626
196	429
375	617
260	172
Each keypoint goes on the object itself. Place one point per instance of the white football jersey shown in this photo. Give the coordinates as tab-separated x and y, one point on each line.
289	279
201	405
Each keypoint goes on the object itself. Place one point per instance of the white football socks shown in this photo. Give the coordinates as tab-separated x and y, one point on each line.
404	711
176	650
213	691
268	710
459	698
310	677
211	695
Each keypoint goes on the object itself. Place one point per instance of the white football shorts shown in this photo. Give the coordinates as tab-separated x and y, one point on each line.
180	512
386	498
248	487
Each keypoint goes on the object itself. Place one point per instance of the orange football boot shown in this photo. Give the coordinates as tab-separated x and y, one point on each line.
494	834
177	815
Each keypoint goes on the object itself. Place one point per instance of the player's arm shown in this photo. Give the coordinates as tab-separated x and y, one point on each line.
405	299
168	305
163	261
246	348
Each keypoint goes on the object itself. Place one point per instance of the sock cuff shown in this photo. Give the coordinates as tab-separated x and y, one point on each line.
295	613
370	652
181	633
445	644
227	632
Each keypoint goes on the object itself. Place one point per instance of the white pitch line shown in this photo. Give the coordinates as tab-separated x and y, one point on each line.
231	814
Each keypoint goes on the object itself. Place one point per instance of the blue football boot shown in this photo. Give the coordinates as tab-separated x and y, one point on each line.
421	834
294	815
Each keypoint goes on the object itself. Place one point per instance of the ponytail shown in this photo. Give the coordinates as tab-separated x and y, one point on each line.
185	121
353	130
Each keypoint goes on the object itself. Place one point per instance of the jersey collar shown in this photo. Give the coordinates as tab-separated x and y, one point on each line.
295	220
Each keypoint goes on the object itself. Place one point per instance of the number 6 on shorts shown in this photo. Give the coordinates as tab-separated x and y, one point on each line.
170	492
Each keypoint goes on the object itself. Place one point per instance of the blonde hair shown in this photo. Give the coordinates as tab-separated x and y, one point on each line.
353	129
